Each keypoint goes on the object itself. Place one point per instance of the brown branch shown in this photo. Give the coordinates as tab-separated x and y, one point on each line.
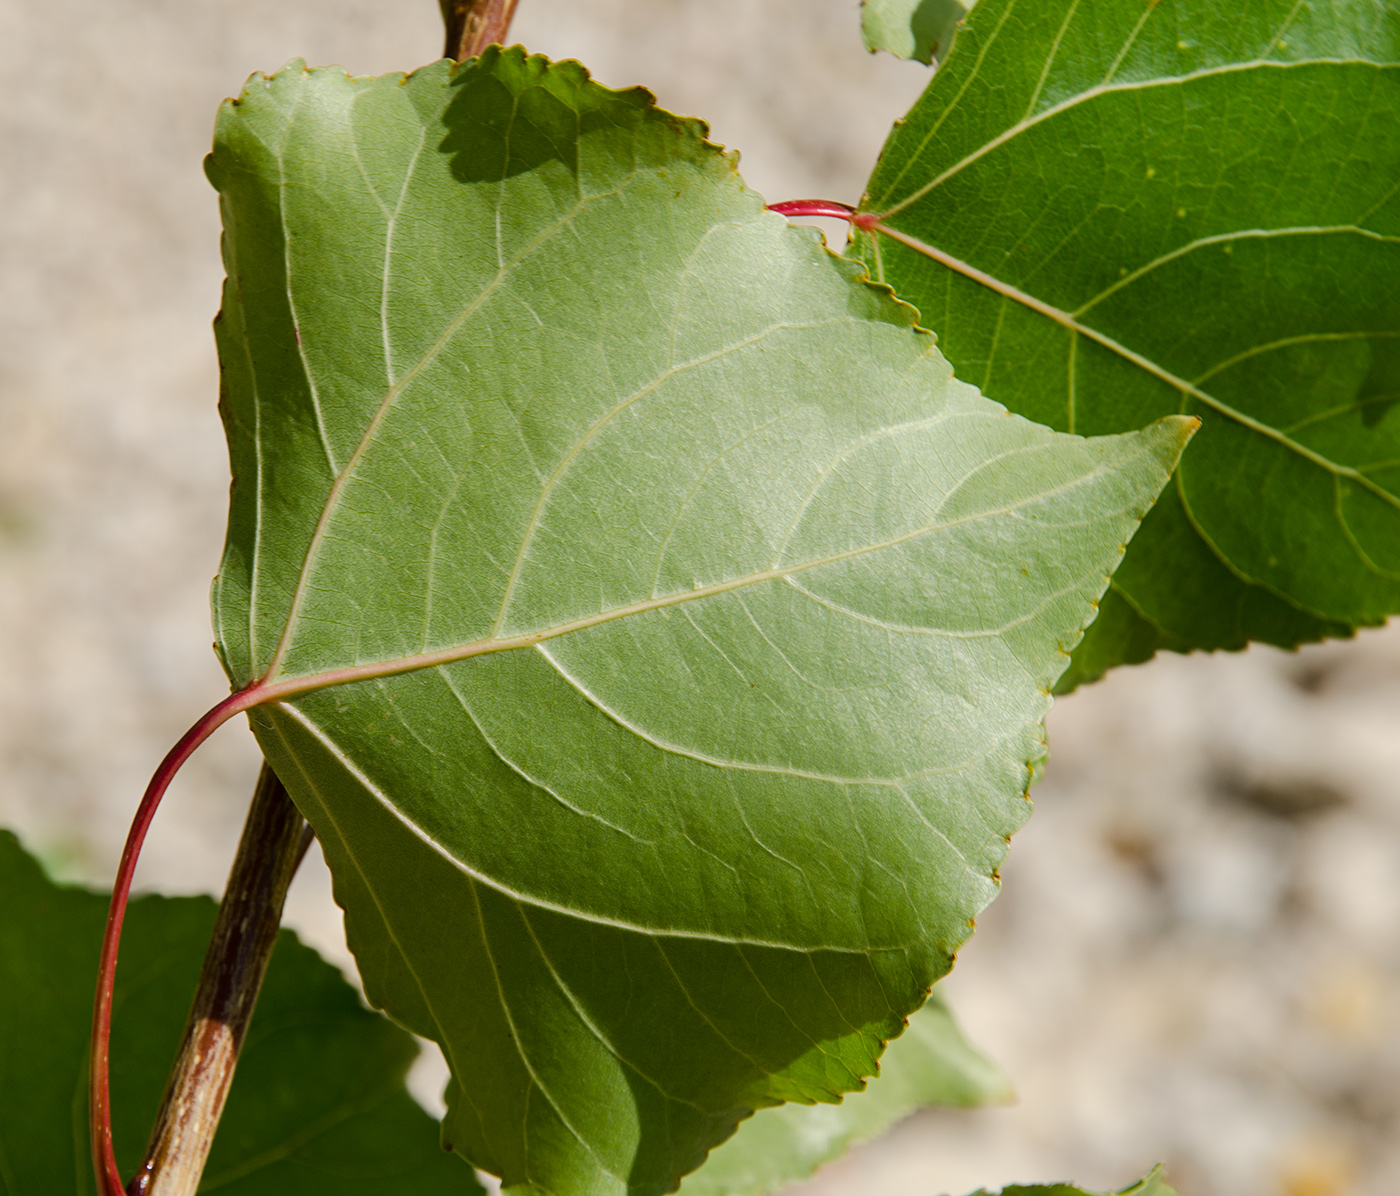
275	837
472	25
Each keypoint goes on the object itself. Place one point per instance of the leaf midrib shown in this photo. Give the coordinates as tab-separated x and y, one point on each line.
275	691
1066	320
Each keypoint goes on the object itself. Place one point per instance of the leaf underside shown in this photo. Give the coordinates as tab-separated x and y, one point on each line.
929	1064
918	29
318	1105
754	610
1110	210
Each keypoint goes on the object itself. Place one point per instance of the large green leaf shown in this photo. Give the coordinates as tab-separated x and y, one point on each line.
675	632
318	1104
1110	210
1154	1185
919	29
931	1063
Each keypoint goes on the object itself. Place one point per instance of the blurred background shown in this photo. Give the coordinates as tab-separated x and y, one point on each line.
1195	955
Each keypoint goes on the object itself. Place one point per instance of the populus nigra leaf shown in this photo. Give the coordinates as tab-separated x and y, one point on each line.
1113	209
919	29
1154	1185
675	631
931	1063
318	1107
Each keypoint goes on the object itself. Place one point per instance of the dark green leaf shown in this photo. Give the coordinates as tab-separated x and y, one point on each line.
1154	1185
1113	209
675	632
920	29
1118	635
931	1063
318	1104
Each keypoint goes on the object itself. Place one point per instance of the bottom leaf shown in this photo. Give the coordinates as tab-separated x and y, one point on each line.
1154	1185
1151	608
318	1105
1119	635
931	1063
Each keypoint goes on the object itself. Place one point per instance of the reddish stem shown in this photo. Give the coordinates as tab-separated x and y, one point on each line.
825	207
99	1093
275	837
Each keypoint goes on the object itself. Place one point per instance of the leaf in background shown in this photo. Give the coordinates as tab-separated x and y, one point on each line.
1154	1185
701	626
919	29
931	1063
1110	210
1118	635
318	1104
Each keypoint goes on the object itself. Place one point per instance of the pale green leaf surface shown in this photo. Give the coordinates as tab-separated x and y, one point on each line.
1154	1185
318	1106
753	610
918	29
1110	210
931	1063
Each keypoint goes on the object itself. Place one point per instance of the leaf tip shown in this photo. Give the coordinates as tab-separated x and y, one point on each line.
1173	433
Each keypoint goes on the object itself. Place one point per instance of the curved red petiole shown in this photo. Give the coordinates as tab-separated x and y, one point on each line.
109	1181
825	207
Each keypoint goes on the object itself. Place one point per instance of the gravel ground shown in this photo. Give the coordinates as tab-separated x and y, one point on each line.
1194	957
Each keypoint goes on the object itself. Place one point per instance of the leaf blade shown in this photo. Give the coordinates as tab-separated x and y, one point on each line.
1180	162
930	1064
1153	1185
696	532
318	1104
918	29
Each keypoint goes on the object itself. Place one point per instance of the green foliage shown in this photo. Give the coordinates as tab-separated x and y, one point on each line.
741	613
318	1104
1112	210
1154	1185
929	1064
919	29
1118	635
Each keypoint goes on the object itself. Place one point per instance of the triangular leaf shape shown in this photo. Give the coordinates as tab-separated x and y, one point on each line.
674	631
318	1107
1110	210
931	1063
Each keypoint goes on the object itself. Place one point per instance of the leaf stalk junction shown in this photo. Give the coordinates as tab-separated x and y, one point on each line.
257	693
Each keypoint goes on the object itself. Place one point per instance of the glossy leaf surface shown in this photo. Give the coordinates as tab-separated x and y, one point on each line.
931	1063
918	29
1110	210
677	631
318	1105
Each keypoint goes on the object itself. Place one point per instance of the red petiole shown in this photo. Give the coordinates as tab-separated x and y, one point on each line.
825	207
99	1091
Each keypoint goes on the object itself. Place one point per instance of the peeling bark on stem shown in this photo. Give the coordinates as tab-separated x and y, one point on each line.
472	25
275	837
